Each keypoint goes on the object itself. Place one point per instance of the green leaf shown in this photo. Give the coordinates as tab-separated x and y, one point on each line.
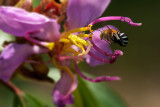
6	96
54	74
17	102
27	100
106	96
91	94
84	97
36	3
5	37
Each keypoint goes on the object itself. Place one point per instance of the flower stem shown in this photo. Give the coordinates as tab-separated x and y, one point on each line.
16	90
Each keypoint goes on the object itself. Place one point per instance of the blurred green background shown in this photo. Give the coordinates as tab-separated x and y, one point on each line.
138	67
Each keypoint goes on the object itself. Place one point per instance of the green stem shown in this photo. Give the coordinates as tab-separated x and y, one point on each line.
16	91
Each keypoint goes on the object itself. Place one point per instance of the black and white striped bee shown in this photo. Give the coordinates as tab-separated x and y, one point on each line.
111	35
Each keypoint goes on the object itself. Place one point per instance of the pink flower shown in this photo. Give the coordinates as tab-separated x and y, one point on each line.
62	47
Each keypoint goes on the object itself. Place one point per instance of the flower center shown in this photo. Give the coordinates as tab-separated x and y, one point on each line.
69	38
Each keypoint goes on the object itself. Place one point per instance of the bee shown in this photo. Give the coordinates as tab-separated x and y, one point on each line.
111	35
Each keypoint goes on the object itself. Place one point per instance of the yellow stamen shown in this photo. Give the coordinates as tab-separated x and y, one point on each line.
70	39
88	48
82	29
69	50
90	28
64	68
82	35
76	40
90	36
20	3
65	40
77	53
79	42
50	46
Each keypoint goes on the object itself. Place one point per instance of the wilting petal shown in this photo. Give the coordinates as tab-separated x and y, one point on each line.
17	22
103	45
62	93
81	12
13	55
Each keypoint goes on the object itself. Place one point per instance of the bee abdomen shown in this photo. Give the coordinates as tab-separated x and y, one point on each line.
123	39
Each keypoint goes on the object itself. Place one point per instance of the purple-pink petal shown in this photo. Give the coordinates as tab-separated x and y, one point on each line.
81	12
12	57
103	45
62	93
17	22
